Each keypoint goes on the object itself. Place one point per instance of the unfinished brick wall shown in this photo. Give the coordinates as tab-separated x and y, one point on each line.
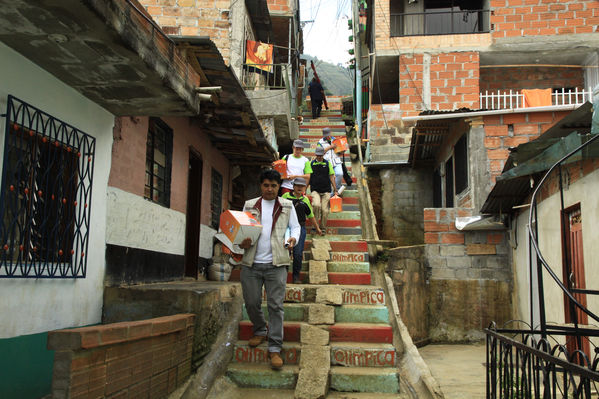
146	358
511	130
280	6
454	81
505	79
517	18
194	18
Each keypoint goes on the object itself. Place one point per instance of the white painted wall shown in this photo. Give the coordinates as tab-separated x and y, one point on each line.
31	306
136	222
585	192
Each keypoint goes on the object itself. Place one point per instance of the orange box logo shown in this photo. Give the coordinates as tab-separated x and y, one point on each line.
336	204
341	143
281	167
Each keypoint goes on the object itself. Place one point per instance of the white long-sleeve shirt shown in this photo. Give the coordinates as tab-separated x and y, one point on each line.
263	247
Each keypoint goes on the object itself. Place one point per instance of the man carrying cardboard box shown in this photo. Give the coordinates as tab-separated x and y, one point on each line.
265	263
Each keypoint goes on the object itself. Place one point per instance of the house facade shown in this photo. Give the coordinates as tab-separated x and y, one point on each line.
452	88
103	132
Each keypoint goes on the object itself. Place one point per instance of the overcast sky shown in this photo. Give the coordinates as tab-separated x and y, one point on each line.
327	37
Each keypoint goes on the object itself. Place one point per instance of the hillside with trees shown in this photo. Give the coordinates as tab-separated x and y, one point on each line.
336	79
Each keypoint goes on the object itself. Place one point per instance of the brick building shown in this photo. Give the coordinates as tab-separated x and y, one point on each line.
452	87
232	25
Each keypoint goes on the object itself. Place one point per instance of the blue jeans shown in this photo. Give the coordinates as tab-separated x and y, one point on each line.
298	253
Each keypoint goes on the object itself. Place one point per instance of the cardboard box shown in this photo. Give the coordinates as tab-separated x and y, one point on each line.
281	167
341	143
237	226
336	204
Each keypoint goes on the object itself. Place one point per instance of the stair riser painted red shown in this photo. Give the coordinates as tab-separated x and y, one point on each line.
343	333
291	331
334	278
344	246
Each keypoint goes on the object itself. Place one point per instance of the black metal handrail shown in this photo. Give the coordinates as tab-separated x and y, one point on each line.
439	23
532	367
533	235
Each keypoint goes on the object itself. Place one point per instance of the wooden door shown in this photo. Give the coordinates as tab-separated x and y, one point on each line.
192	219
576	277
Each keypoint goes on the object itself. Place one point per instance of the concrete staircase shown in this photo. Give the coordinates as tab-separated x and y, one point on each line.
359	336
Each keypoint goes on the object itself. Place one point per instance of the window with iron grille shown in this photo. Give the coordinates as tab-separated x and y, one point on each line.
217	195
159	152
45	196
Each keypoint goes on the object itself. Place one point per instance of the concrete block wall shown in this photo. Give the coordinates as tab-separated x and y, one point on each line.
516	79
516	18
510	130
130	359
470	276
399	196
390	141
195	18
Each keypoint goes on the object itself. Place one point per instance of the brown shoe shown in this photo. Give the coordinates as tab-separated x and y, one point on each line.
256	340
276	362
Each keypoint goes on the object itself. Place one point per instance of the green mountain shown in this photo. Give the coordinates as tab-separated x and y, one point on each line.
336	79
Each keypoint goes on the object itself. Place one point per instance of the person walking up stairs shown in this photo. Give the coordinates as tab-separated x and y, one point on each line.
338	340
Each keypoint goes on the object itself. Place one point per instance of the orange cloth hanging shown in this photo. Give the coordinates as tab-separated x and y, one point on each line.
536	97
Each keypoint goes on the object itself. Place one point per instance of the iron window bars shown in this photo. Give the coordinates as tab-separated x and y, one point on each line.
45	197
159	153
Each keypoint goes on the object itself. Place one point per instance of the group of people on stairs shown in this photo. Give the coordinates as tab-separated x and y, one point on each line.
283	219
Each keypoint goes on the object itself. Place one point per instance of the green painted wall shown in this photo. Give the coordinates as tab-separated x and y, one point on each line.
26	367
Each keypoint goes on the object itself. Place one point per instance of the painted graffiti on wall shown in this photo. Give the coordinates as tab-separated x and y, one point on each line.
260	354
363	358
292	294
348	257
375	297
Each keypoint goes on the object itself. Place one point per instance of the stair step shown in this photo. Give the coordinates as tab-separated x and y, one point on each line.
345	246
262	376
243	353
353	354
337	231
342	256
364	379
260	393
352	294
343	267
334	277
361	332
362	314
336	237
339	332
340	223
375	314
345	215
291	330
362	395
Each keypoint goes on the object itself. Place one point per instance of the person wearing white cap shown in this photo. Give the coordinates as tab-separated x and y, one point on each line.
321	181
304	211
297	166
330	155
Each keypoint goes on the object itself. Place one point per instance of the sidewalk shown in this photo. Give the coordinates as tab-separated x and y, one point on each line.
459	369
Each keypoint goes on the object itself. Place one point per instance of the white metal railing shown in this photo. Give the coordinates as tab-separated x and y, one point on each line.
514	99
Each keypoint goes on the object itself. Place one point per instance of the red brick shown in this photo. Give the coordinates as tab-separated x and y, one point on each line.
514	118
492	142
430	214
434	226
540	117
431	238
492	120
500	130
464	212
515	141
500	154
495	238
452	238
526	129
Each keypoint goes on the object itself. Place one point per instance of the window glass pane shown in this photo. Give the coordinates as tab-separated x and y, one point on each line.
159	157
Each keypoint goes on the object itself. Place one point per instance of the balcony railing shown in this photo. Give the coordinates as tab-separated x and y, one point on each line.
440	23
514	99
265	76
